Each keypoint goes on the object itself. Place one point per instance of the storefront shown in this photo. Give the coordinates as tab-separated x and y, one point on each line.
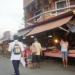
51	31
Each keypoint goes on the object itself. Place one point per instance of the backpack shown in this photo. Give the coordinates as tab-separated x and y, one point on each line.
16	49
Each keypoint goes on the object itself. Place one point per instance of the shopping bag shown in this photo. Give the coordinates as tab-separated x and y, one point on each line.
22	61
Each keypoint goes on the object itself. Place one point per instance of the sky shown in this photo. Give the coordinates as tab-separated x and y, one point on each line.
11	16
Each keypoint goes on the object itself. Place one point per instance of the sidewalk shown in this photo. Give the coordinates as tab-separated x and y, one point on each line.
47	68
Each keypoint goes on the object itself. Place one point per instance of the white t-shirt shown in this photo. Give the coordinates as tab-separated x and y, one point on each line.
37	46
15	56
64	46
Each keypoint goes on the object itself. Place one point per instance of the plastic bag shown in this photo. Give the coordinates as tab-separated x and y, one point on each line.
22	61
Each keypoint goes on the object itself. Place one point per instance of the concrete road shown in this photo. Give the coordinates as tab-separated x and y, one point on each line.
47	68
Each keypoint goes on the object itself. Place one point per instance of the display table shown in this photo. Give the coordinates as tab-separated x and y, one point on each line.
58	54
72	53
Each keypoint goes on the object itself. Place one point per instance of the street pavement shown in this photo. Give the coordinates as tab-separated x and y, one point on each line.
47	68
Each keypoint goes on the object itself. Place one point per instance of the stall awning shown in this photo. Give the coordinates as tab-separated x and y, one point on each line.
50	25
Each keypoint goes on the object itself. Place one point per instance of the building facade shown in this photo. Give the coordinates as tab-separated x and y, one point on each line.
40	10
4	43
39	14
49	20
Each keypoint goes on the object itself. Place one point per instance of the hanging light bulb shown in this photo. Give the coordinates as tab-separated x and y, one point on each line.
32	36
56	40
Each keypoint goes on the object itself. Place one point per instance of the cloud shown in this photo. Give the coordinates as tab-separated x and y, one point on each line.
11	14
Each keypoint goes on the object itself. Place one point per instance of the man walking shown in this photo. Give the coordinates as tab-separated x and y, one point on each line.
36	51
16	48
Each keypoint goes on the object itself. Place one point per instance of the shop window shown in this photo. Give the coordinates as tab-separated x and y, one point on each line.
72	2
60	4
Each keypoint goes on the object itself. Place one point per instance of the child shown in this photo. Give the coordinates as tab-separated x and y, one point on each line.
28	57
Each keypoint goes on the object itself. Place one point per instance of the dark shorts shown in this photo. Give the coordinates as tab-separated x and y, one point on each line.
64	55
29	59
36	58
